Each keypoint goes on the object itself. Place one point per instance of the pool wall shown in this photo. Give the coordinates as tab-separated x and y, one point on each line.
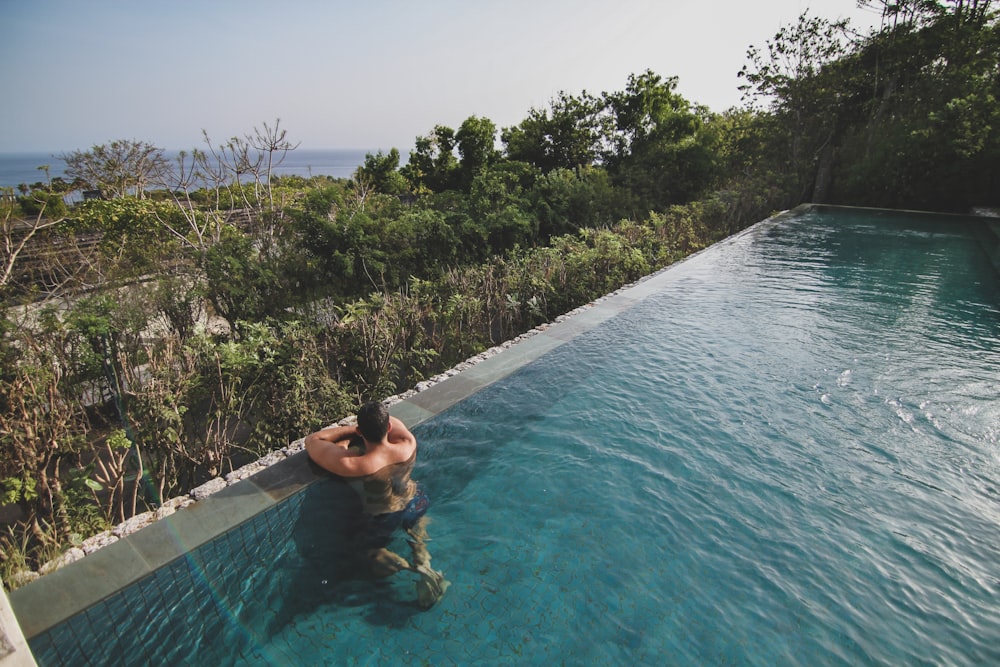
989	236
95	582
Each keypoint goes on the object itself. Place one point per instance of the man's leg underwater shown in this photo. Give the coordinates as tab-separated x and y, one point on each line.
418	542
432	584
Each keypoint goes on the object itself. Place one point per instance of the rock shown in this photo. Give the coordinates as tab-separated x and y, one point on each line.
70	556
130	526
208	488
178	502
244	472
295	447
22	577
271	458
99	541
252	469
164	511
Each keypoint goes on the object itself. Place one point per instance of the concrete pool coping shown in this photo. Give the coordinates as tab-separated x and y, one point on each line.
59	595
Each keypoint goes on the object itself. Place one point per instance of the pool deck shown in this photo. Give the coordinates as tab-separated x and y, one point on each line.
57	596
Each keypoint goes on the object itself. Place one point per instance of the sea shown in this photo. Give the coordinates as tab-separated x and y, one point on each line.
18	168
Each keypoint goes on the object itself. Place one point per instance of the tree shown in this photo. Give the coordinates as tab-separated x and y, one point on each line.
565	200
433	166
658	145
129	236
921	114
497	205
382	171
900	13
799	79
43	419
425	245
754	165
118	168
477	145
242	284
564	137
248	162
903	117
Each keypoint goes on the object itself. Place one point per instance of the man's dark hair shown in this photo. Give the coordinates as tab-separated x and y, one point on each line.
373	421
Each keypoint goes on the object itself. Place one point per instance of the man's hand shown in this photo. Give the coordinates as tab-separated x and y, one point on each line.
335	435
329	446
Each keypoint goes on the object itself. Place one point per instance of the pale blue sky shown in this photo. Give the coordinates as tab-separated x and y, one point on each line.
361	74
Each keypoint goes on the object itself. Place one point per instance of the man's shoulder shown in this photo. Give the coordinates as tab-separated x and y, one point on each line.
404	451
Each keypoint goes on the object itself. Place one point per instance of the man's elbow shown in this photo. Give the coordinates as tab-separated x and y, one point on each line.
313	447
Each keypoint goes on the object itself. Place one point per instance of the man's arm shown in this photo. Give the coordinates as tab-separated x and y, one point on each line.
328	448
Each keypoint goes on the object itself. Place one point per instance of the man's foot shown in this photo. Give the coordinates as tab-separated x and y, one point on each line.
431	586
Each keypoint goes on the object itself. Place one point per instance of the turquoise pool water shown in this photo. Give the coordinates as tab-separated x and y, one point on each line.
788	455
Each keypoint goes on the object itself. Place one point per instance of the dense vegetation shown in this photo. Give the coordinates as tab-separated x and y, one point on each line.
196	315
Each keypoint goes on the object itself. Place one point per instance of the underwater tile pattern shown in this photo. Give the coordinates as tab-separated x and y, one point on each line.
209	585
55	597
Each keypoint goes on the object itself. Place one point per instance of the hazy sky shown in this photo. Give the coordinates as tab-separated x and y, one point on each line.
369	74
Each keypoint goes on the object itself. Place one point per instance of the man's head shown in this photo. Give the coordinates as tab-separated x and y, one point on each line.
373	421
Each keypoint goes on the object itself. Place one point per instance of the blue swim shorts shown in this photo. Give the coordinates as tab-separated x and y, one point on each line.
380	527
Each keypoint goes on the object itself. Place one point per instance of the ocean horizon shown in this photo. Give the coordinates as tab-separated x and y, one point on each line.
23	167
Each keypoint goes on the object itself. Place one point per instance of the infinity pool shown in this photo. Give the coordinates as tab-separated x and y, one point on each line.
787	455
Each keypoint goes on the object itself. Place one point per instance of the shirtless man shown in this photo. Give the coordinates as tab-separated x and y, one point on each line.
376	459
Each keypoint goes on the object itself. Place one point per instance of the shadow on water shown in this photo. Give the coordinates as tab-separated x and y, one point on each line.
326	566
457	446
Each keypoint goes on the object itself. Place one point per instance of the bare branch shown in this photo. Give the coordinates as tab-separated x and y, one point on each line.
17	234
